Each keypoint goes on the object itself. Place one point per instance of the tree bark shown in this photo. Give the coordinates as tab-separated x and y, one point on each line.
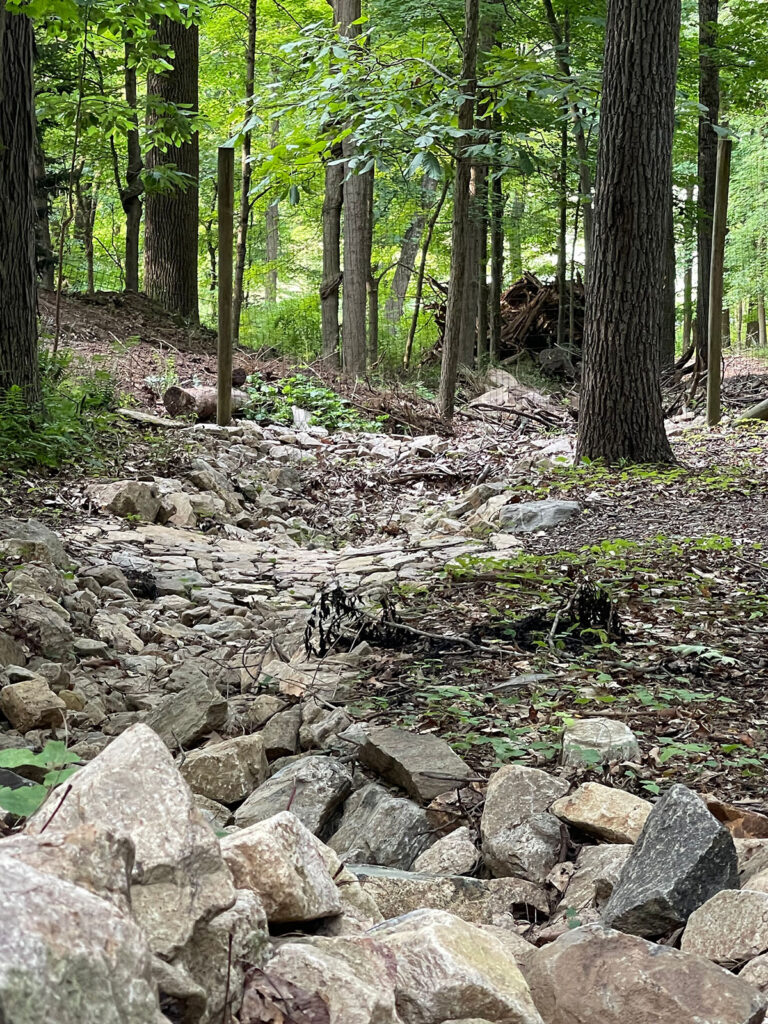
357	229
331	285
669	332
46	260
18	273
409	250
516	238
709	98
762	339
130	197
562	236
422	273
459	305
244	211
497	265
621	413
171	220
688	280
272	225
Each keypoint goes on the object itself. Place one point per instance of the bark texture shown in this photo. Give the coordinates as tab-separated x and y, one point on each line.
130	196
272	225
621	408
709	98
331	284
244	211
171	221
18	276
460	311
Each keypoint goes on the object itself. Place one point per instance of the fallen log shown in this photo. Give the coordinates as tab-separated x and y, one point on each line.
756	412
199	403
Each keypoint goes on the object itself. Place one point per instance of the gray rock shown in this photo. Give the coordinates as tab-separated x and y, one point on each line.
227	771
312	788
421	763
45	626
639	983
67	956
597	871
281	733
531	516
84	647
31	542
128	498
519	836
756	973
133	790
113	629
683	858
320	726
454	854
730	928
596	741
447	967
11	653
181	719
281	861
379	828
32	704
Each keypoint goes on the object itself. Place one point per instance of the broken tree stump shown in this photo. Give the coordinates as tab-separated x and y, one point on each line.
199	403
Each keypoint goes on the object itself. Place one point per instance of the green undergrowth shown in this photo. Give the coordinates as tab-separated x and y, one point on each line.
273	402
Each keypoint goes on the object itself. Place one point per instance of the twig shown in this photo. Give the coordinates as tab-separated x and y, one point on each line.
56	810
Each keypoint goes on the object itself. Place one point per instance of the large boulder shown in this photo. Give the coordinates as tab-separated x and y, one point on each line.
133	790
379	828
347	982
730	928
530	516
519	836
683	857
594	975
448	968
421	763
281	861
594	741
182	718
134	498
68	957
30	541
612	815
312	787
227	771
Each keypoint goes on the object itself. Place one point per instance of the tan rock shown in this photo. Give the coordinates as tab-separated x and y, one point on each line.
594	975
756	973
454	854
729	928
32	704
227	771
597	871
610	814
280	860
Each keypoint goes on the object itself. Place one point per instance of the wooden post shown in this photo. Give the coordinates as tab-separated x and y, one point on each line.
226	196
719	228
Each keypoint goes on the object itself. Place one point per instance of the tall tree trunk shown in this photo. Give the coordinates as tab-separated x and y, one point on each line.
459	305
621	409
739	322
329	289
516	238
130	197
357	229
688	279
709	99
171	221
409	250
562	237
669	331
46	260
497	266
244	210
272	224
483	293
762	336
422	272
18	275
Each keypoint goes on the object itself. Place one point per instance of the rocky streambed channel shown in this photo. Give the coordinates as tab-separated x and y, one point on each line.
235	845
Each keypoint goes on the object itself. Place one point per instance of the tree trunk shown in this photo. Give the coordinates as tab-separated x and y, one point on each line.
200	403
483	292
171	221
621	413
516	238
739	322
409	250
669	333
18	274
562	235
422	273
331	284
709	98
459	305
46	261
726	327
130	197
244	211
761	331
357	229
688	280
497	265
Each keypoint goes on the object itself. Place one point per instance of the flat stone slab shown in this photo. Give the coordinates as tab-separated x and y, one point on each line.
612	815
422	764
595	741
531	516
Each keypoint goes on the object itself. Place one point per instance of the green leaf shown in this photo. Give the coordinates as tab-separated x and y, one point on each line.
23	801
17	758
58	776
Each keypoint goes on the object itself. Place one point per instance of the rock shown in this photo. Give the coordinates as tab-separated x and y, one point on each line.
454	854
448	968
598	869
612	815
312	788
639	983
228	771
281	733
729	928
263	707
30	541
216	814
133	790
113	629
45	626
68	957
10	652
741	823
683	857
421	763
379	828
181	719
32	704
320	726
128	498
756	973
177	507
519	836
220	951
531	516
351	983
280	860
84	647
595	741
476	900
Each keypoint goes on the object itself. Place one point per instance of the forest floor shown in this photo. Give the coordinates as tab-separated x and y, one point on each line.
650	605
